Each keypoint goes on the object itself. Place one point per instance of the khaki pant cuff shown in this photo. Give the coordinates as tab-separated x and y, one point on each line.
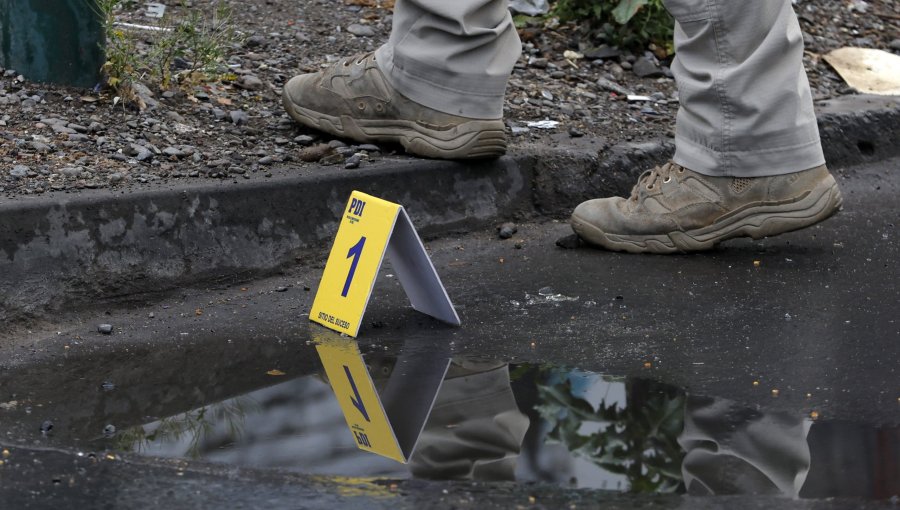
756	163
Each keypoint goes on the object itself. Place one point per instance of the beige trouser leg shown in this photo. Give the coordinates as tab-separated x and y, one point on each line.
746	108
452	56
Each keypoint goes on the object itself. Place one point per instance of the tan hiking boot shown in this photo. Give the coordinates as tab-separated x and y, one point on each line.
353	99
673	209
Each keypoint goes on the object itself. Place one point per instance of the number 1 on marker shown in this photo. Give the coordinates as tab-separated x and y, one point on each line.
356	253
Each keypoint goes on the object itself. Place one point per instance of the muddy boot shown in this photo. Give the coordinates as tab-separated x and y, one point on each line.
672	209
352	99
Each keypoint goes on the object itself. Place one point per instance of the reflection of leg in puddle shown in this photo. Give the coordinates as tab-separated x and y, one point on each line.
735	450
475	430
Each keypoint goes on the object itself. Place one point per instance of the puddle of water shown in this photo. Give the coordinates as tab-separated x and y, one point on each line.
492	421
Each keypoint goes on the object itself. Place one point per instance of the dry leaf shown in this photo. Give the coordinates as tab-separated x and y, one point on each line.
275	372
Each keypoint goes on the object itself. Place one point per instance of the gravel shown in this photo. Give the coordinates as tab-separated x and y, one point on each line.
61	139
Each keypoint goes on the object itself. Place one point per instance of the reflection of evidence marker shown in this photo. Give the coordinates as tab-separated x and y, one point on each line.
370	229
388	421
356	400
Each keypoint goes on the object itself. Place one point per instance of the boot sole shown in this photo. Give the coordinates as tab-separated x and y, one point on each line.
756	222
474	139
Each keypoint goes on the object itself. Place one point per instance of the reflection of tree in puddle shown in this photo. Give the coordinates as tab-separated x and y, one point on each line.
194	427
637	440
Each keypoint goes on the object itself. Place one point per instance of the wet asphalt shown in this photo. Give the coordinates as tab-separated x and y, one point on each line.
807	322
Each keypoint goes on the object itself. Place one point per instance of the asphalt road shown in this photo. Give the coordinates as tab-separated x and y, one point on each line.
812	314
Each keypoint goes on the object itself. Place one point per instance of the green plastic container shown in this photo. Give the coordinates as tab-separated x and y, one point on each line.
53	41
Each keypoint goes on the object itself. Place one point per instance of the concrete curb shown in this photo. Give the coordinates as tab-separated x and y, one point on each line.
60	251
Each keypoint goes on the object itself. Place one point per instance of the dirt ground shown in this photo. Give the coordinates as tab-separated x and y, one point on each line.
63	139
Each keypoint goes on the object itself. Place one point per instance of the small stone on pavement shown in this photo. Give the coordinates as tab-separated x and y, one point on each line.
507	230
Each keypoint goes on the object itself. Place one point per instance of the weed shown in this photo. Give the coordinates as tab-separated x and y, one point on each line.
183	51
624	23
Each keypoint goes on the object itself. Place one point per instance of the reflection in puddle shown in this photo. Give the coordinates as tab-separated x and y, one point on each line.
489	421
497	421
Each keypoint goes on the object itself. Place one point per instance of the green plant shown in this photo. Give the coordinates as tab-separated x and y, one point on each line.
638	441
626	23
195	42
121	49
199	42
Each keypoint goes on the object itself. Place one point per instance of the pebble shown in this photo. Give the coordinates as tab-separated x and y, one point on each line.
314	153
109	430
251	82
353	162
361	30
62	129
540	63
145	95
72	172
645	68
369	148
267	160
604	51
575	133
255	41
115	178
507	230
611	86
303	140
78	137
46	427
174	152
106	329
139	152
569	242
895	45
239	117
19	171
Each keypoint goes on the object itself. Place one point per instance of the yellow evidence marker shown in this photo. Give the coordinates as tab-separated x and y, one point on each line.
370	229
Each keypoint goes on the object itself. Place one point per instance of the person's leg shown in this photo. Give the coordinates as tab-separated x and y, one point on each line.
746	108
436	87
748	160
454	57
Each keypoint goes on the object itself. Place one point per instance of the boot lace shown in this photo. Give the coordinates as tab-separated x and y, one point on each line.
652	178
